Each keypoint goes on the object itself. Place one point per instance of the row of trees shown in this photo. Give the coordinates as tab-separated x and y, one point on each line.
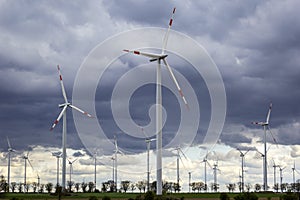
110	186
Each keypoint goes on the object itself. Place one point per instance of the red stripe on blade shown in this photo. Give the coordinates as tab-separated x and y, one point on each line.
126	50
180	92
56	122
60	77
174	9
136	52
171	20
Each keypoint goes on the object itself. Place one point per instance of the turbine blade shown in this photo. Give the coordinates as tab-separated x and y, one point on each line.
176	83
8	143
165	40
74	160
30	164
273	136
208	164
149	55
81	111
269	113
62	85
183	153
58	118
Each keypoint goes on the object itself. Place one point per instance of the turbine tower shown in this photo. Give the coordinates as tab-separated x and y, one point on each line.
265	125
242	155
281	177
205	161
10	150
71	171
25	157
117	150
57	155
148	142
215	169
160	58
177	162
274	168
63	114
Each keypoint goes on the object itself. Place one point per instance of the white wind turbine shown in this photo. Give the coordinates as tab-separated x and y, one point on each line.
265	125
117	150
242	155
25	157
274	168
63	114
281	176
178	149
71	171
148	142
58	156
160	58
205	161
215	170
10	150
294	169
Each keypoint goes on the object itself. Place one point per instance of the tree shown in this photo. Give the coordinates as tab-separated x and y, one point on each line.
257	187
34	186
49	187
176	187
26	187
3	184
125	185
276	187
70	185
42	186
13	186
91	186
132	187
141	185
231	187
77	186
20	187
84	186
248	187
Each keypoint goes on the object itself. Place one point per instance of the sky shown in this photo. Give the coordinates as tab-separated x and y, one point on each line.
254	45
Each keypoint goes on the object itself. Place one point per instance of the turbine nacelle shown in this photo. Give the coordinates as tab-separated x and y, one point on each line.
63	105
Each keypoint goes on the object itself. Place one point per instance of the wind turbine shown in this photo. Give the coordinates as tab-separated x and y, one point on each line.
160	58
294	169
215	169
190	180
57	155
265	125
113	169
63	114
205	161
281	176
71	170
95	169
117	150
242	155
10	150
274	168
177	162
148	142
25	157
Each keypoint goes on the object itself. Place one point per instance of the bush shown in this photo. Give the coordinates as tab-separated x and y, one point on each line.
149	195
224	196
106	198
289	196
246	196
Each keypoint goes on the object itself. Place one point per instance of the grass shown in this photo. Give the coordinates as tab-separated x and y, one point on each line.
32	196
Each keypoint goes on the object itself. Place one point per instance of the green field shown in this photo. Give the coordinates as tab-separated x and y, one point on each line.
18	196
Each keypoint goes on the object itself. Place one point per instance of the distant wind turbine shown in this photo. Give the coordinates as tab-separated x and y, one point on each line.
281	176
178	149
205	161
117	150
25	157
265	125
71	169
58	156
10	150
148	142
242	155
63	114
215	169
160	58
274	168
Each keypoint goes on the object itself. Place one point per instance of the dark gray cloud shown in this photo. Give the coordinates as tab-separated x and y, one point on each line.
255	44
